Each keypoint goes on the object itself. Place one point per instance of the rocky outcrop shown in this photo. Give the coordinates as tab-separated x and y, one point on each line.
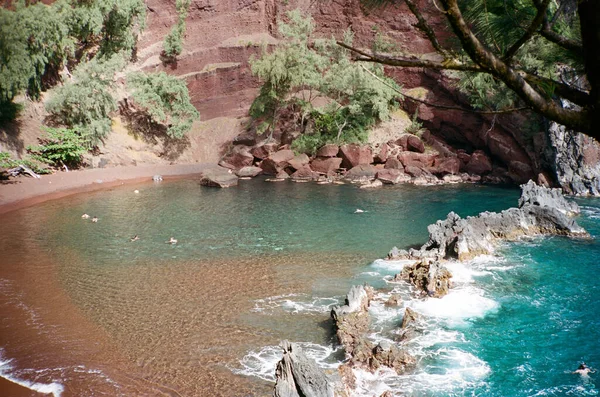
297	375
218	177
248	172
541	211
429	277
351	322
353	155
576	161
277	161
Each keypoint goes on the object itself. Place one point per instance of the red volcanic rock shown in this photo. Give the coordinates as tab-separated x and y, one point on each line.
464	158
245	139
299	161
520	172
277	162
542	180
392	176
304	173
362	172
246	172
393	163
326	166
238	158
261	152
446	165
415	171
353	155
329	150
415	144
439	145
416	159
479	163
382	154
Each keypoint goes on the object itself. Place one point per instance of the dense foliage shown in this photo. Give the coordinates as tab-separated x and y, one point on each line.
536	54
166	100
37	39
302	69
59	147
85	102
8	162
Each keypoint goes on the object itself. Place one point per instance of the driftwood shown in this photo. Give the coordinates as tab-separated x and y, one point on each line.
21	169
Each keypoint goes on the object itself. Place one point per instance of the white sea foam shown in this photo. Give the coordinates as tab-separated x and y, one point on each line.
454	373
463	272
390	266
262	363
459	305
6	372
295	303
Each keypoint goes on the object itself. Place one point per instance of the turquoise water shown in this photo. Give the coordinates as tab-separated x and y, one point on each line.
265	261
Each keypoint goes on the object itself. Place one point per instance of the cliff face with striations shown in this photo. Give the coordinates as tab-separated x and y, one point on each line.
221	36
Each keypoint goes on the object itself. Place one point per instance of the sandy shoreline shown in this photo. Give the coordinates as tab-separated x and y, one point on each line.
24	191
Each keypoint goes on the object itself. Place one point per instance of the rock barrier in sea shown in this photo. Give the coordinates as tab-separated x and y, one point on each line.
541	212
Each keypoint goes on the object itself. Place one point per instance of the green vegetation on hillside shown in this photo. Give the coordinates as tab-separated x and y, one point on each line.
173	44
37	40
166	101
59	147
302	69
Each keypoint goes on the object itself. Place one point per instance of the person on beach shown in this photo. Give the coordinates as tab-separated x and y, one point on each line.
583	370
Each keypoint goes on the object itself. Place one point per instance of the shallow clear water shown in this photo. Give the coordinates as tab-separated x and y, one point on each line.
86	308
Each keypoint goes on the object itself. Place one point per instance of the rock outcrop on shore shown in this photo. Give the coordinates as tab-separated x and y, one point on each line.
541	211
218	177
299	376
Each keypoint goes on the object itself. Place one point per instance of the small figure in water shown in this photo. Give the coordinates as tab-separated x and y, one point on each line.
172	241
95	219
584	370
359	211
85	216
134	238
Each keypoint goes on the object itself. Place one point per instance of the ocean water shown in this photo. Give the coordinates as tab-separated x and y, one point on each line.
88	312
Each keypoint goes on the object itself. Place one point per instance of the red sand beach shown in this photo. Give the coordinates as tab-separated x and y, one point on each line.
26	191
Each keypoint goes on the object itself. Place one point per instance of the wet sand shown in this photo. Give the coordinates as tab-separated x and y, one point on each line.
12	389
25	191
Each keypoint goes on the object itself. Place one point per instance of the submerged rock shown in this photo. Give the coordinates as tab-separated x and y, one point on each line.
298	375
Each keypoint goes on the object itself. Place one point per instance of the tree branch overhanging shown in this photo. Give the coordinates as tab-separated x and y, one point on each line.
530	31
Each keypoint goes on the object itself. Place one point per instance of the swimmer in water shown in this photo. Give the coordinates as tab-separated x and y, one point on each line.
583	370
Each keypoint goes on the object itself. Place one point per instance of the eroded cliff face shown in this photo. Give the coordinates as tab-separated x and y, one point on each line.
222	35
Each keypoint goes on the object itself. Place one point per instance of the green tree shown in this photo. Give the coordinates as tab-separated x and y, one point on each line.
517	43
85	103
165	99
37	39
173	44
59	147
302	68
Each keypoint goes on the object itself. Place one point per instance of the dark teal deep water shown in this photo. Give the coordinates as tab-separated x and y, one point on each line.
516	324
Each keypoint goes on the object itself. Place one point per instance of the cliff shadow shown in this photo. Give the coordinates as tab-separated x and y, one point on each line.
141	126
10	128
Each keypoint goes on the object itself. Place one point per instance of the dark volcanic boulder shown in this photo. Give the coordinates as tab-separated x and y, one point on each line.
304	173
239	157
479	163
327	165
246	172
392	176
415	144
393	163
298	375
446	165
277	161
329	150
218	177
363	172
261	152
299	161
354	154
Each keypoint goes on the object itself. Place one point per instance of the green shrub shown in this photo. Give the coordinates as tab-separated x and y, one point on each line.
165	99
415	127
85	103
7	162
173	44
59	147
